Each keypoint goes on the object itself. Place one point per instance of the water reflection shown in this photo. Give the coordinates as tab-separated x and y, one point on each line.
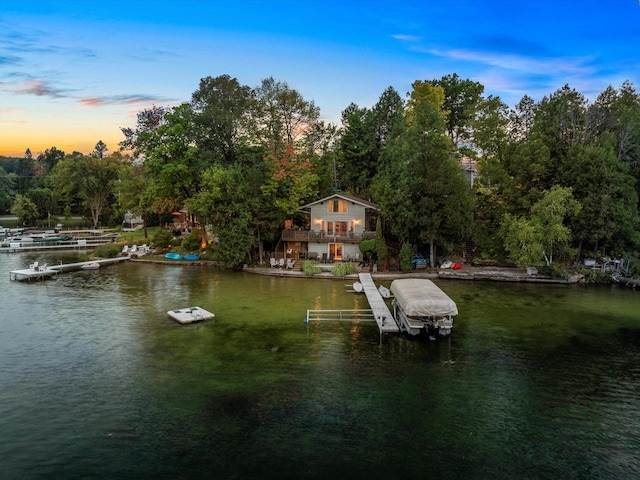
535	382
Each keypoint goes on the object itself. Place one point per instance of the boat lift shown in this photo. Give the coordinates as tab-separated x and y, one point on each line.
378	313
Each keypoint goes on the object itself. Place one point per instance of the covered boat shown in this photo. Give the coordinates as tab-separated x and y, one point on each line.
420	306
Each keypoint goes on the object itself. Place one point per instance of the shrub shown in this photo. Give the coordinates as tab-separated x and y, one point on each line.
368	248
162	239
342	269
108	251
405	258
309	268
192	242
555	270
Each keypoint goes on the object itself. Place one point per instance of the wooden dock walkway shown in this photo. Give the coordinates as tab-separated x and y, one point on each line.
381	313
40	272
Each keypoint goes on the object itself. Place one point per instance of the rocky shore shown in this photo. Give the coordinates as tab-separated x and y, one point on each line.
502	274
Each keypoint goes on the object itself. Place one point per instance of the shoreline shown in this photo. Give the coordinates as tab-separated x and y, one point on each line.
502	274
468	273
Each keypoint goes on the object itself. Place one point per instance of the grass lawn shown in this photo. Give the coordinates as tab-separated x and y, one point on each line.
137	237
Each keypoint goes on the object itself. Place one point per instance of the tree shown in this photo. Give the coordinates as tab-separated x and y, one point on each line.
356	151
381	246
228	203
6	189
283	115
172	161
148	120
99	149
461	98
49	159
133	192
366	133
25	210
421	189
223	114
25	173
89	179
521	119
560	122
605	189
543	234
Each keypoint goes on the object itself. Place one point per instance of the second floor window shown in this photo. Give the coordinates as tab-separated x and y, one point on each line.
338	206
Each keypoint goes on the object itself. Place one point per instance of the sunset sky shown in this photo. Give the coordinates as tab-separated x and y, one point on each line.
74	72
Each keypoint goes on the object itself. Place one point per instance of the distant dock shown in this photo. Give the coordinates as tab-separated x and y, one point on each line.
41	272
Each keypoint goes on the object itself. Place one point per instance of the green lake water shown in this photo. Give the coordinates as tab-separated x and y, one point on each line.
96	381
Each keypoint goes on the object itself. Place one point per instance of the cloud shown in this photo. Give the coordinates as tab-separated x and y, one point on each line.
119	100
406	38
40	88
10	60
555	65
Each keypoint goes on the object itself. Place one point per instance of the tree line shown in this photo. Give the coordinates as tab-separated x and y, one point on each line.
553	180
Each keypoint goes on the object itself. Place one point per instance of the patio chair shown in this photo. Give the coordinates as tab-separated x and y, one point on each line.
281	263
290	264
273	263
324	258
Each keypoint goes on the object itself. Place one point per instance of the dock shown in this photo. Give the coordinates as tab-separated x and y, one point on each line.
40	272
378	313
627	281
381	313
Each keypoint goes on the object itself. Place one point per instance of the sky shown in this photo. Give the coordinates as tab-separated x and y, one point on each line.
75	72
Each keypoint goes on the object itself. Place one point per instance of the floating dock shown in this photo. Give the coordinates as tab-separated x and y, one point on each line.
190	315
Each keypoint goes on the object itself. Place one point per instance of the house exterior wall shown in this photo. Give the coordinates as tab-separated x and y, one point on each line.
354	218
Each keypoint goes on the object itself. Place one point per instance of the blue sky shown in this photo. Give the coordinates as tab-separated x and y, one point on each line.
74	72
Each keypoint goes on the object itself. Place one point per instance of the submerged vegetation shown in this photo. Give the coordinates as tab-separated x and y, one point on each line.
542	184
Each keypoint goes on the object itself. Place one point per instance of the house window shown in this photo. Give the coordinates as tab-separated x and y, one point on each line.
338	206
341	228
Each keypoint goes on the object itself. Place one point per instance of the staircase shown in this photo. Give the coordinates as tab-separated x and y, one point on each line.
469	251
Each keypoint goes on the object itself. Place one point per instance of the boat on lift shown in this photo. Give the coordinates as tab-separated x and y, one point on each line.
419	305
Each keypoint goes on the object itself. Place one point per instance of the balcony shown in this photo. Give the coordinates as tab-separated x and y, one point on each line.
324	237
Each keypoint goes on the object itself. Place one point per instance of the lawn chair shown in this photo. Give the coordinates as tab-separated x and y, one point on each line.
324	258
290	264
273	262
281	263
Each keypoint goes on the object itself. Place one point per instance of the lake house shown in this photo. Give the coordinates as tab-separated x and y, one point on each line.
337	224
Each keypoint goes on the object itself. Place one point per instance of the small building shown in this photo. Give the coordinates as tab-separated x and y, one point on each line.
337	224
132	223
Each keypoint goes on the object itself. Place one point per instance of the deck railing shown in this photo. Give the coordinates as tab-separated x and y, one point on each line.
313	236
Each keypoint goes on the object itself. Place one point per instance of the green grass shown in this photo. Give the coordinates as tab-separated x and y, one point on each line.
137	237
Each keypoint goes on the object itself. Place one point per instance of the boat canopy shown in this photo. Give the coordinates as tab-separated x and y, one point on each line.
422	298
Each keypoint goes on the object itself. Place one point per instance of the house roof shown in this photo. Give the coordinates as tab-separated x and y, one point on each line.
344	196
